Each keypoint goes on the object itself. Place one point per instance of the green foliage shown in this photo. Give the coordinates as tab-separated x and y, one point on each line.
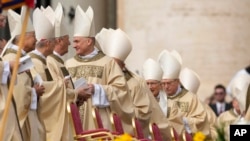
221	134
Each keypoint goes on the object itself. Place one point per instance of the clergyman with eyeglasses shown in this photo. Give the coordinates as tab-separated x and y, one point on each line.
185	111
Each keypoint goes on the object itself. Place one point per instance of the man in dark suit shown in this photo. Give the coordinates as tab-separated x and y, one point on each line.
220	105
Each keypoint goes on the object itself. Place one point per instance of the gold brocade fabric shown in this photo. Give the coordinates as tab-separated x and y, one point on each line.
104	71
86	71
186	104
95	58
183	106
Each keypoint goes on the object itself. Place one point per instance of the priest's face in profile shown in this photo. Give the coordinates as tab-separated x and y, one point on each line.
65	44
51	45
83	45
154	86
170	86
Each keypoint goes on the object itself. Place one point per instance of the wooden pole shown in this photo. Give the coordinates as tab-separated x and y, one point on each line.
14	74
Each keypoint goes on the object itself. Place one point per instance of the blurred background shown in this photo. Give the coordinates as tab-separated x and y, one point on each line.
213	37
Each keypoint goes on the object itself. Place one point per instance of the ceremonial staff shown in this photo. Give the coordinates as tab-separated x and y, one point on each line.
14	74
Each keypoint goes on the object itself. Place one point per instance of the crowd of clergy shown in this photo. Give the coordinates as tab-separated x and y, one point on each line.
165	94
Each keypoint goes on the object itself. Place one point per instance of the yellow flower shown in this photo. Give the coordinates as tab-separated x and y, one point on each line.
124	137
199	136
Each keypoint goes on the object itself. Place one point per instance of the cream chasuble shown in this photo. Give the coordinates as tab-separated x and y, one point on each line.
225	119
157	115
104	71
31	126
212	119
11	131
58	71
50	101
187	105
141	101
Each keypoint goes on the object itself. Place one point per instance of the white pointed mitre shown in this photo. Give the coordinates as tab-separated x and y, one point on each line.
42	8
30	26
84	23
177	55
160	57
170	65
118	45
101	38
161	53
15	22
43	27
152	70
60	27
239	89
190	80
49	13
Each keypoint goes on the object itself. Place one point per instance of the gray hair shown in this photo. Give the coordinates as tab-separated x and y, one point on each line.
42	43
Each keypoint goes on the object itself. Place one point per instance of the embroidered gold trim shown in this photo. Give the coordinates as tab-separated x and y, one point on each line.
31	78
57	58
10	50
97	57
127	75
48	75
33	55
184	106
182	93
64	71
168	111
86	71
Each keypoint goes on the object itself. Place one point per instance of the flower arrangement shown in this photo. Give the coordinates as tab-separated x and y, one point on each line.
199	136
124	137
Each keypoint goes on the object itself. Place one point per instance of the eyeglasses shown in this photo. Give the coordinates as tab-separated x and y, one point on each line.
152	83
220	93
168	82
